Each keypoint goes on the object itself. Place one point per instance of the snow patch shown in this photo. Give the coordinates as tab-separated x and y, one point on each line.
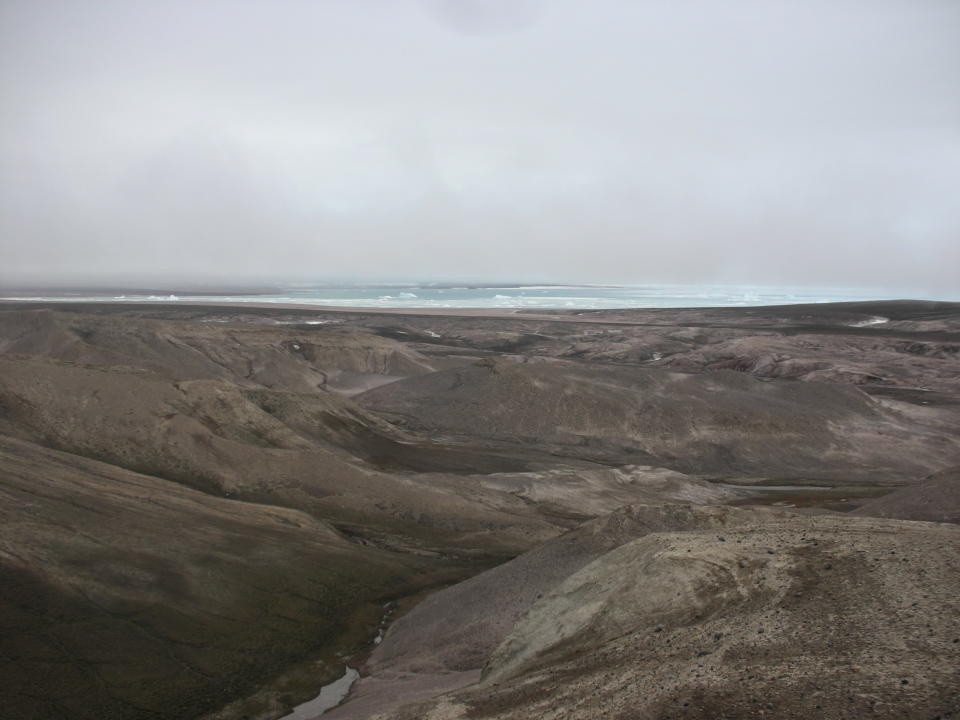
875	320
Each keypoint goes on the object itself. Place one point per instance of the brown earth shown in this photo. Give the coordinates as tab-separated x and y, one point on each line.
206	507
936	499
723	422
788	617
126	595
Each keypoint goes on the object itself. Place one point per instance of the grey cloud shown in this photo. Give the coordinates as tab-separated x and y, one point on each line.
746	141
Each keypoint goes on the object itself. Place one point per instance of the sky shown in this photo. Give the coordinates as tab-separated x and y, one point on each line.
801	142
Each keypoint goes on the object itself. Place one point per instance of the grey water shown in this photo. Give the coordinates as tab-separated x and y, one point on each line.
437	295
330	696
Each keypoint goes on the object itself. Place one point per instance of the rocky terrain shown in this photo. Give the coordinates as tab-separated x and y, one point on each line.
207	508
790	617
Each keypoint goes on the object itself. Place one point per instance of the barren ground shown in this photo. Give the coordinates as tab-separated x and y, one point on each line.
206	508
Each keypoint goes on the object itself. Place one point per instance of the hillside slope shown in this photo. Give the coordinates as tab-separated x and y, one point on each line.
791	617
127	596
718	422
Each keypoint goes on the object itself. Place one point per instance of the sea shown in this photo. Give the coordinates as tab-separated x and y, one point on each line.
438	295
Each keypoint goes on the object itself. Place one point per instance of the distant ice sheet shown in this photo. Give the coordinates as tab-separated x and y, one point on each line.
545	297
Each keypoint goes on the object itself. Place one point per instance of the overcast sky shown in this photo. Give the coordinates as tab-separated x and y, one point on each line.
755	141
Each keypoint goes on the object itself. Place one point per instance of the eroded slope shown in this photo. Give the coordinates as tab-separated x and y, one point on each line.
719	422
130	596
795	617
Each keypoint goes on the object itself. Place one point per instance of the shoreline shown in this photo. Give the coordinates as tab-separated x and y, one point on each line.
526	313
534	313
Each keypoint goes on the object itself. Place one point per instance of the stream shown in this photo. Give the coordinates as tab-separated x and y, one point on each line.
333	694
330	696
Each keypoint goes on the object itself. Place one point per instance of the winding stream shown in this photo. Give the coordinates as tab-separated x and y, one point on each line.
333	694
330	696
